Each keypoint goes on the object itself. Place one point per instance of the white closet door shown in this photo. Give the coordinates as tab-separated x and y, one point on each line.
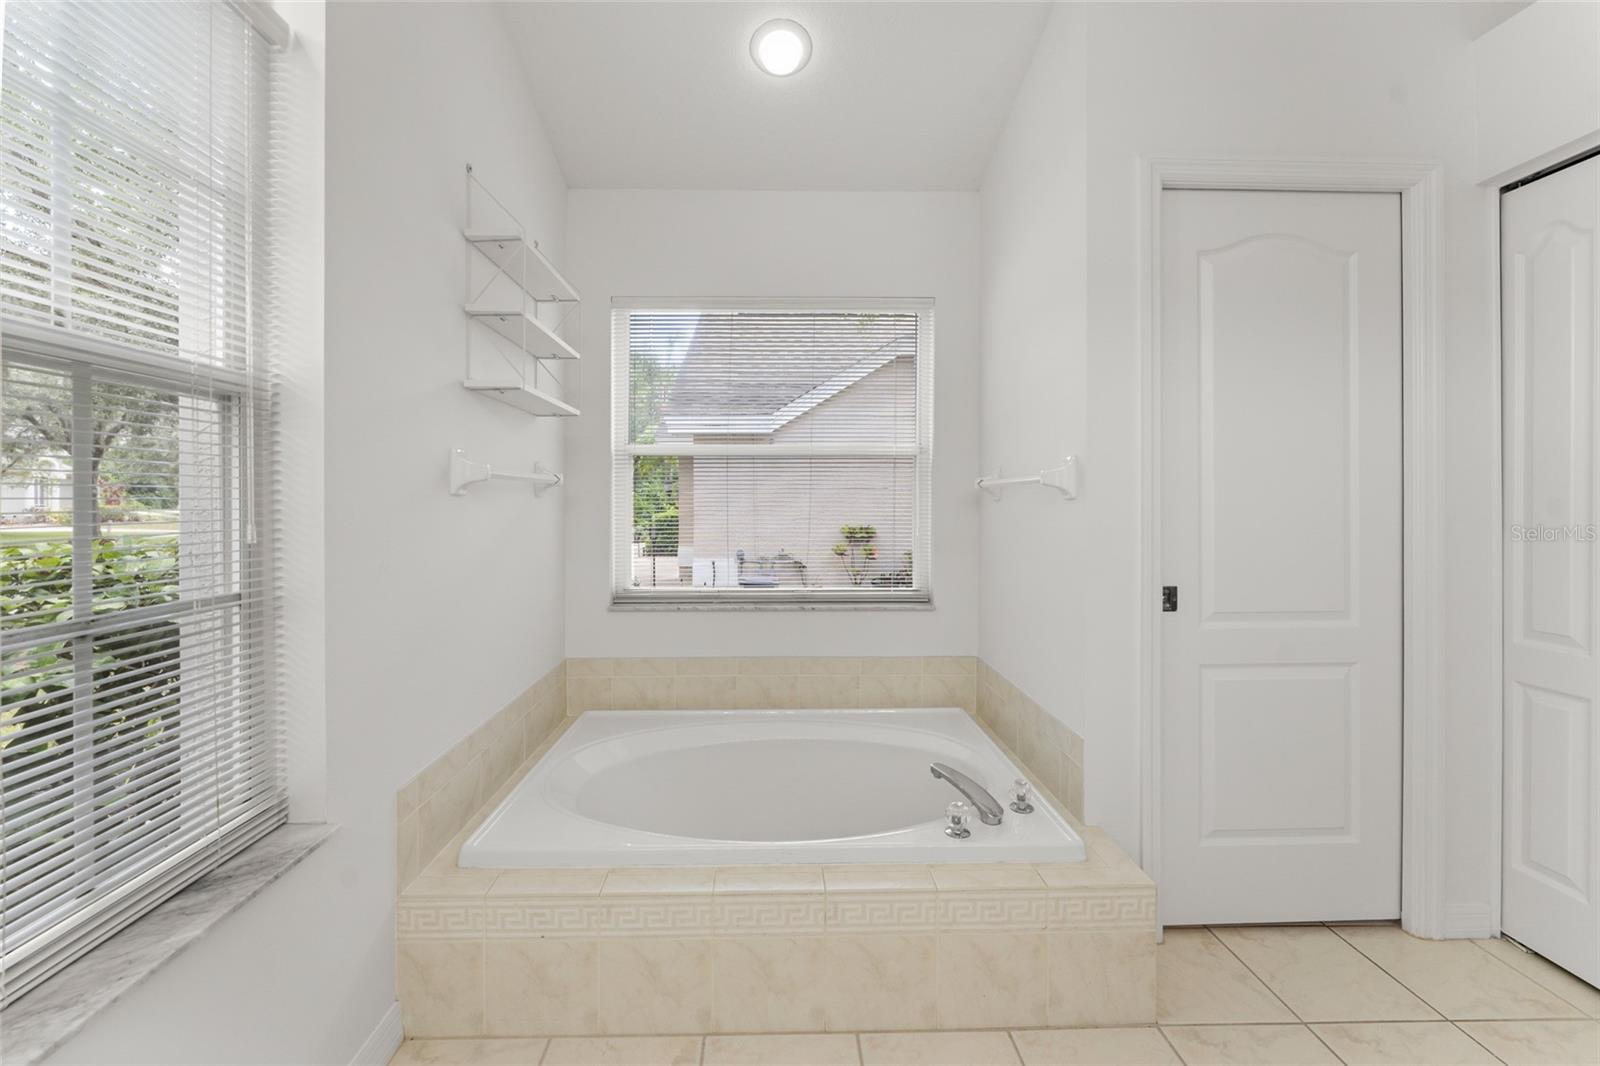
1550	270
1280	526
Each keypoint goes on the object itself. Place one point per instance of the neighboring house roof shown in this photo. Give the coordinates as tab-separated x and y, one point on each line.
765	373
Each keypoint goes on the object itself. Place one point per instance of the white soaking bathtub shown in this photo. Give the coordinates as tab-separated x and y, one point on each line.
714	788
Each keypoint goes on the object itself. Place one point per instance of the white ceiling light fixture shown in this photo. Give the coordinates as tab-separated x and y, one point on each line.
781	47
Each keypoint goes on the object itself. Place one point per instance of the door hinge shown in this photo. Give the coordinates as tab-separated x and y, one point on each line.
1169	598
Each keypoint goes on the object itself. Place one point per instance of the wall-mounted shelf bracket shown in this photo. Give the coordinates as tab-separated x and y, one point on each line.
523	397
521	313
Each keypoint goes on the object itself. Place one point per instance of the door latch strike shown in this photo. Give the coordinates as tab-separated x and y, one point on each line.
1169	598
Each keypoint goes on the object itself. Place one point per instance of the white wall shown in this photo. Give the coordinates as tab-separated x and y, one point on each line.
1538	82
439	610
1034	376
299	325
632	243
1340	80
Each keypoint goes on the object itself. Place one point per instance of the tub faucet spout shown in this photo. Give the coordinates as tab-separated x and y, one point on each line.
989	811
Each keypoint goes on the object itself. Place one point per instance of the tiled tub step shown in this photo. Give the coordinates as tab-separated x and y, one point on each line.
992	946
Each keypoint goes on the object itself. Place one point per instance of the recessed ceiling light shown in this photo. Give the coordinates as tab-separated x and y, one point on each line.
781	47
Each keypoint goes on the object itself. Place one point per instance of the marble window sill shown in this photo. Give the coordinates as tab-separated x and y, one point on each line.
45	1018
773	605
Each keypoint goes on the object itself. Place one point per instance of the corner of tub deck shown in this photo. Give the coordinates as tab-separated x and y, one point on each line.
450	883
441	871
1104	865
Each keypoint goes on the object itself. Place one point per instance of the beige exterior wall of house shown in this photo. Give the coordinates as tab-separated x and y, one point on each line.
795	507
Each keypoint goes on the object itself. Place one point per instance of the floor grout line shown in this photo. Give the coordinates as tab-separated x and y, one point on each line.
1176	1053
1320	1039
1528	951
1011	1034
1311	1026
1486	1048
1248	969
1322	1021
1498	961
1387	973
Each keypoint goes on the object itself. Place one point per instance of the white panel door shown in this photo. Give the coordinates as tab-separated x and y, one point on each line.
1280	528
1550	270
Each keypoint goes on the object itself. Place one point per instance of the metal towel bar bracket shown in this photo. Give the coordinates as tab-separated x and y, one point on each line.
1063	478
464	472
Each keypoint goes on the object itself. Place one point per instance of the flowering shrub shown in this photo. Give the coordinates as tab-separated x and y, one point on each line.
857	553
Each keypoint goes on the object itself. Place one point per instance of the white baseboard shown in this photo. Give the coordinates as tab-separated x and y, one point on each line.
384	1040
1474	921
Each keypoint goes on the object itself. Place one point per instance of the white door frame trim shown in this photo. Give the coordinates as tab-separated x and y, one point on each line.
1422	897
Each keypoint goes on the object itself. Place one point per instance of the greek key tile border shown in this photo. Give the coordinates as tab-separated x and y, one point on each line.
676	915
1129	909
868	912
433	919
996	910
777	914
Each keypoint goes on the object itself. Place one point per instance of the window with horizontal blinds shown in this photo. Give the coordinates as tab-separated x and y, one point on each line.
772	455
139	739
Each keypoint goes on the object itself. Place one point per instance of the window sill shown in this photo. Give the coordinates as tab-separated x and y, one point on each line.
45	1018
773	605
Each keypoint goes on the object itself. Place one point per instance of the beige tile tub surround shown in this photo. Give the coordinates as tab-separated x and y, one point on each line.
432	807
1050	752
792	949
771	683
647	952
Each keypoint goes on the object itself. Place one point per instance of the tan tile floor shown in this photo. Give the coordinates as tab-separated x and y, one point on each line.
1363	995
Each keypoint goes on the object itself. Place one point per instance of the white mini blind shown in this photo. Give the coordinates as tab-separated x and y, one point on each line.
139	739
772	455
